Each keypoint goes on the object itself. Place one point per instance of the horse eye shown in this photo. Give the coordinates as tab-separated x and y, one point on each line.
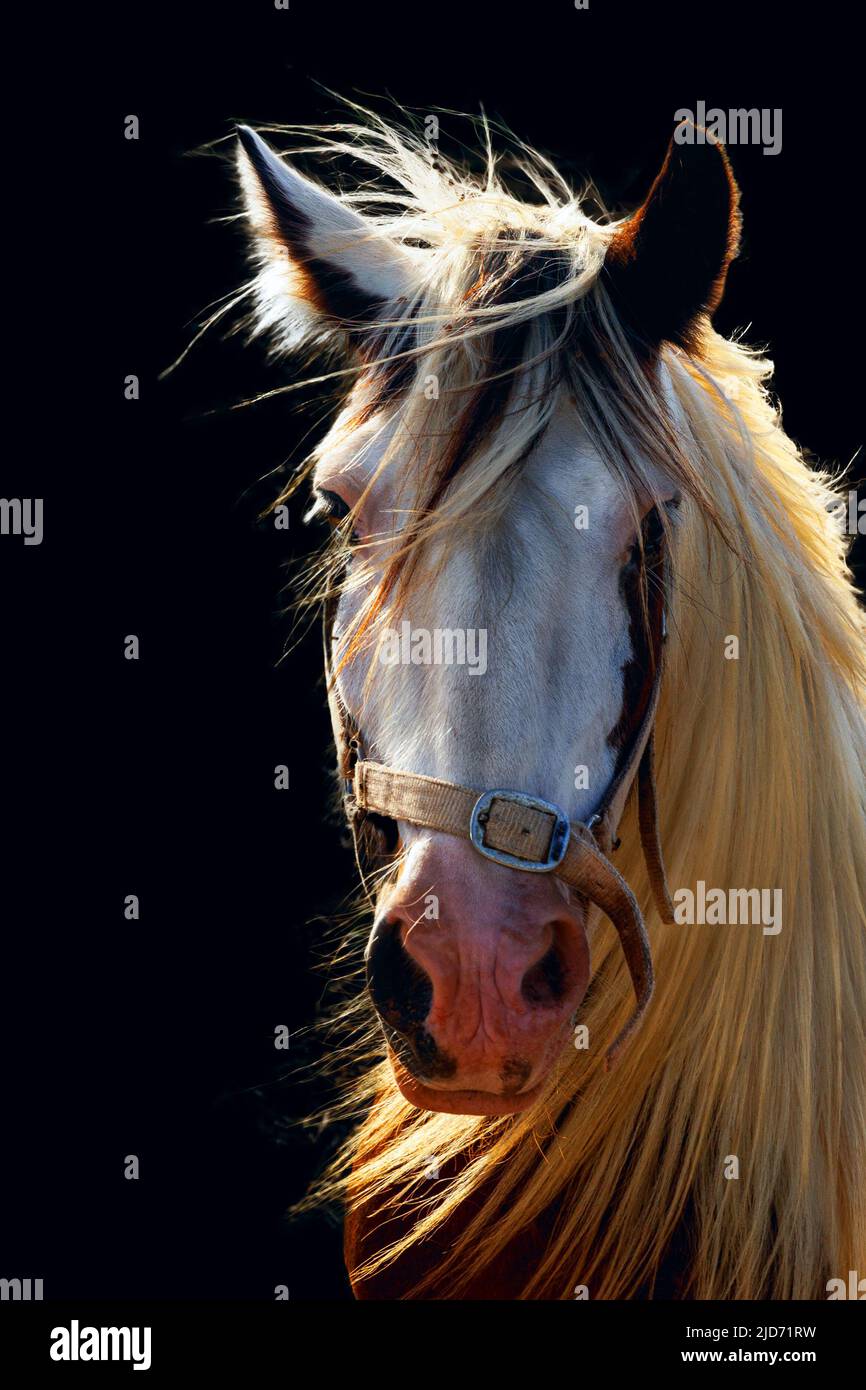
331	506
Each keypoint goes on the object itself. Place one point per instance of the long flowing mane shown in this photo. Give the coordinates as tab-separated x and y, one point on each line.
755	1045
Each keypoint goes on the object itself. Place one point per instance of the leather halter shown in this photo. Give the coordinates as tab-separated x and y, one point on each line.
520	831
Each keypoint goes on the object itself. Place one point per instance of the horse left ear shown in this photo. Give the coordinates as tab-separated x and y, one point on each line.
666	265
325	256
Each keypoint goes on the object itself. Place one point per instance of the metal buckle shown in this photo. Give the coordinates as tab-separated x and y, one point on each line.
558	835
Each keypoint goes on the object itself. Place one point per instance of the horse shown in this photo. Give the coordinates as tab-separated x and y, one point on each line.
573	1090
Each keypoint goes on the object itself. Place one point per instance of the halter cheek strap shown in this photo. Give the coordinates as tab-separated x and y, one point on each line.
524	832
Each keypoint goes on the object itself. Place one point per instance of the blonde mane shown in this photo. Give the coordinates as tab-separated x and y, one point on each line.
754	1045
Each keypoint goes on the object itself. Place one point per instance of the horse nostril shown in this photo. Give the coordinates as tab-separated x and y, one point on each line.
546	982
400	989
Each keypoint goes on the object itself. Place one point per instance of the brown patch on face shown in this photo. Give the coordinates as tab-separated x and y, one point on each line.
642	587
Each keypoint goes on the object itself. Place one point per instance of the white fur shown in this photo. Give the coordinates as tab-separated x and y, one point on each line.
553	689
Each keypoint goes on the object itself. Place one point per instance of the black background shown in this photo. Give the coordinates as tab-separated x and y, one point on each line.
155	1038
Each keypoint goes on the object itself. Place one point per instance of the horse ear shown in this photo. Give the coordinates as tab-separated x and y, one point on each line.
666	265
333	260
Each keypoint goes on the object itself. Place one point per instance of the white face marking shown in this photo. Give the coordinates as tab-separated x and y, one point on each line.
547	596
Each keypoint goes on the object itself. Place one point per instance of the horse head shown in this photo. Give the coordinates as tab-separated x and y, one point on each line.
502	481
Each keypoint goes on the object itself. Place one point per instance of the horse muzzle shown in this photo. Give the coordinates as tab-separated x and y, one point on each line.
476	973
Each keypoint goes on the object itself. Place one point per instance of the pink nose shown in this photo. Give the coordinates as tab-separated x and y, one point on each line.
476	971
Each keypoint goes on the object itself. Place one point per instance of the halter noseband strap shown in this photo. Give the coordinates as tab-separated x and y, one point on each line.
523	832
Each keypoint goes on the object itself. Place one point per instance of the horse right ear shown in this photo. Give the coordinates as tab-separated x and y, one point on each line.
319	253
666	265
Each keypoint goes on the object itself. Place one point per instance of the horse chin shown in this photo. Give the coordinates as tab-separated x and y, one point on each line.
452	1102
